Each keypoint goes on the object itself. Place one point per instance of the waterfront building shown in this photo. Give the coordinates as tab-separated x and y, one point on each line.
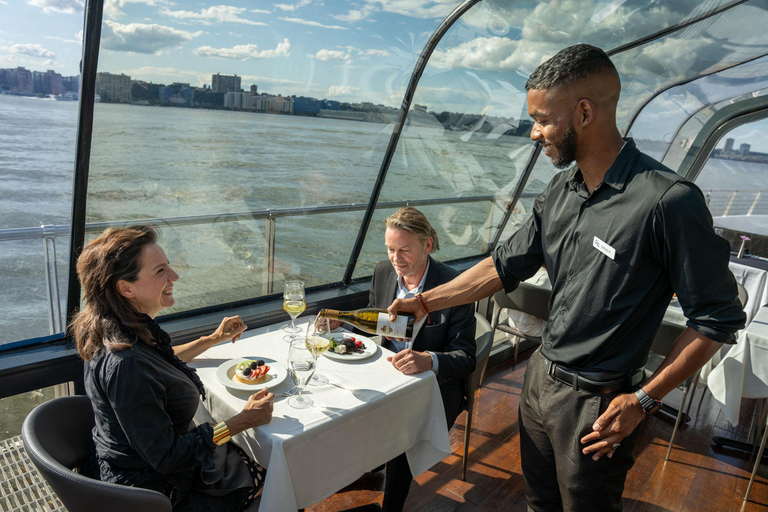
744	149
48	82
728	145
225	83
18	80
179	94
113	88
304	105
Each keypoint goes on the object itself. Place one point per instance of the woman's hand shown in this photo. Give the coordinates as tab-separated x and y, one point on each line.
231	327
257	412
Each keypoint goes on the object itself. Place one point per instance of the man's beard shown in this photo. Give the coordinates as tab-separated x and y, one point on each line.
566	148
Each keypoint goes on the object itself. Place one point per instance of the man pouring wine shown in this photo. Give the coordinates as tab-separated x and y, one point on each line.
442	342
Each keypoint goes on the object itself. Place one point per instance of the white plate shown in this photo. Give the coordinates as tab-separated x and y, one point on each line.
370	349
225	373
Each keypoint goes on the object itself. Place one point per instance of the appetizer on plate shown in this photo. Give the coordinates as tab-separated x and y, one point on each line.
349	345
251	372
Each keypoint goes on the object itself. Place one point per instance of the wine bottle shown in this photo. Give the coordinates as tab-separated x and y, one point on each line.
374	321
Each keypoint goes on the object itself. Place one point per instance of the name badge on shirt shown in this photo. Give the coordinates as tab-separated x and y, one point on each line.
604	248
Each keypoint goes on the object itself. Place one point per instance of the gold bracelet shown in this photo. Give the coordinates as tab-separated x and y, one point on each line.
221	434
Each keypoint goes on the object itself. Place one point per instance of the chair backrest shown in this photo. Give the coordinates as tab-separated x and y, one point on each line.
527	298
57	437
484	342
743	295
665	337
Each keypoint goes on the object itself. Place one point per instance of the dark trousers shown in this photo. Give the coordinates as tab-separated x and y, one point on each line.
558	476
398	475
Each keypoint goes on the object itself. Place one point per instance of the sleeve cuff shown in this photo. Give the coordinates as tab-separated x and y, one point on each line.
435	364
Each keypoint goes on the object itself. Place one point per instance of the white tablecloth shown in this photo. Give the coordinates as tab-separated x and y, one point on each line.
743	371
312	453
755	281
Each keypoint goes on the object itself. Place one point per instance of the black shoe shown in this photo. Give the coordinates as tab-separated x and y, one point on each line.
371	507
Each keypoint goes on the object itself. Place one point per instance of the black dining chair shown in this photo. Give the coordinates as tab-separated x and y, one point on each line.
57	437
527	298
484	342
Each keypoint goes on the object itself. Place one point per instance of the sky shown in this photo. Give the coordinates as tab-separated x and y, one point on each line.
365	50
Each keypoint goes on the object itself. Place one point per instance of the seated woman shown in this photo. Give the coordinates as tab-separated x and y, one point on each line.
143	393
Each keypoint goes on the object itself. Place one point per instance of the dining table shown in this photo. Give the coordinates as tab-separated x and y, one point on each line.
367	414
743	371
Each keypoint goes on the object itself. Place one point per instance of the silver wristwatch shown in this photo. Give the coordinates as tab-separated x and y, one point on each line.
649	404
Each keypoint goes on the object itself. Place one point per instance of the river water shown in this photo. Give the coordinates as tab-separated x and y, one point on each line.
164	163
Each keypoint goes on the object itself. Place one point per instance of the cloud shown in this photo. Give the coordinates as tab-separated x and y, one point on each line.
483	53
76	40
245	51
141	38
312	23
63	6
352	16
342	90
327	55
425	9
114	8
373	52
258	80
214	14
31	50
293	7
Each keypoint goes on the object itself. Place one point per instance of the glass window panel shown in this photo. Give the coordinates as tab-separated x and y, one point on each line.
706	47
257	113
40	48
680	112
736	174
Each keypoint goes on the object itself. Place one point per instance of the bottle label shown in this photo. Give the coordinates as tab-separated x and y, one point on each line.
389	329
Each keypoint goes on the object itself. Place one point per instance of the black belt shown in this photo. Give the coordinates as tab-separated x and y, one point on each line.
597	382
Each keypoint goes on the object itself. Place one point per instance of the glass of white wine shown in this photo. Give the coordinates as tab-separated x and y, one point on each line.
318	341
301	365
294	303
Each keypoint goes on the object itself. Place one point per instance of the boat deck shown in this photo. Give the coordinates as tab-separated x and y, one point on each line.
698	477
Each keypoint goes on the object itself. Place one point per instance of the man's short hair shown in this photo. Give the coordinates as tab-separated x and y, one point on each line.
570	66
411	219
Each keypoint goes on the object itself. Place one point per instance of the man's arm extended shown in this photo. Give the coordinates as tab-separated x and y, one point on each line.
478	282
689	353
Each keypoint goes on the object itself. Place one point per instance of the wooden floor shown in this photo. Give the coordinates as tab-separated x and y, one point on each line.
698	477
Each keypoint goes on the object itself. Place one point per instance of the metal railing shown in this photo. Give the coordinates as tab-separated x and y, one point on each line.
49	234
723	203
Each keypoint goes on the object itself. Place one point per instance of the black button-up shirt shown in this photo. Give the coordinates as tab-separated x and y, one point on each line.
614	259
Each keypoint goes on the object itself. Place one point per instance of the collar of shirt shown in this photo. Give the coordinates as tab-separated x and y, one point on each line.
404	293
616	175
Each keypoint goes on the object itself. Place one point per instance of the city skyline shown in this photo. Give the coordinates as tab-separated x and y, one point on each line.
365	50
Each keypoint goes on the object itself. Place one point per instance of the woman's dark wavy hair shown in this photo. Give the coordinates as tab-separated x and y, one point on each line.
105	316
570	66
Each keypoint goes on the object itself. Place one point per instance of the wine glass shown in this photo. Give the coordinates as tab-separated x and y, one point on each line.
301	365
294	304
318	341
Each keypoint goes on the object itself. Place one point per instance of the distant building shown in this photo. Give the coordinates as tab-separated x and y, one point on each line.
49	82
225	83
18	80
254	89
304	105
728	146
114	88
71	83
238	100
178	94
744	149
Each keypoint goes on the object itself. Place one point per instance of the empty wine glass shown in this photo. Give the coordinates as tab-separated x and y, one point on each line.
318	341
294	304
301	365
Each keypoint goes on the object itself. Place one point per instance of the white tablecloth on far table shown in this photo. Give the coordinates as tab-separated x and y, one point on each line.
743	371
755	281
312	453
